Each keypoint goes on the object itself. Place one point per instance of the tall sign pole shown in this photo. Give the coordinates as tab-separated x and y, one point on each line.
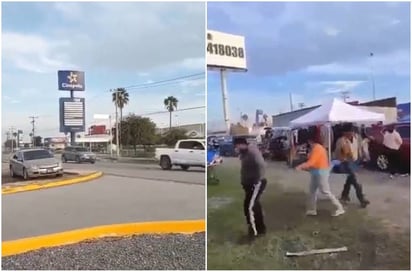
72	109
223	85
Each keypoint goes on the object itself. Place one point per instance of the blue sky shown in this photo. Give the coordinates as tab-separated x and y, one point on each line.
312	50
116	44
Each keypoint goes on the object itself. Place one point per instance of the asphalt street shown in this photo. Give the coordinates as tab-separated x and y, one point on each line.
126	193
145	171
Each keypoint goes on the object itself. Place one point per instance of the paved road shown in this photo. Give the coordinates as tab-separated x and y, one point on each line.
126	193
145	171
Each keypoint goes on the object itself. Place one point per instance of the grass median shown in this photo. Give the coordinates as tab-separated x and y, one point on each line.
371	245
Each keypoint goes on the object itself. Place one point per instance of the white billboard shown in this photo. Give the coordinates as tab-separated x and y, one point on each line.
225	51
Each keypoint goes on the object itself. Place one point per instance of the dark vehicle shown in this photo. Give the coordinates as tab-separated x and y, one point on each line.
227	149
279	145
78	154
377	149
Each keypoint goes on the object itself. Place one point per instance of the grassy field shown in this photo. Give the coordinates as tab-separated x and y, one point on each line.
370	244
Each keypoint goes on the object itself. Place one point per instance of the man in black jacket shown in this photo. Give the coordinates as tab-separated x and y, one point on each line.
253	181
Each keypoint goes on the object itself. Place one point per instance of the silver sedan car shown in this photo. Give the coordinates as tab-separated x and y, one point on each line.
33	163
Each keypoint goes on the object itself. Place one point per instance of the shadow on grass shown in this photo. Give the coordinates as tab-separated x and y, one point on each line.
370	245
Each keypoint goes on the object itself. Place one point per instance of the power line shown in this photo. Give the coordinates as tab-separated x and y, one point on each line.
185	109
160	83
164	81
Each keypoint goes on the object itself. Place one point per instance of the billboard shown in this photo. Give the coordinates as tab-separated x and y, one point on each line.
225	51
72	114
70	80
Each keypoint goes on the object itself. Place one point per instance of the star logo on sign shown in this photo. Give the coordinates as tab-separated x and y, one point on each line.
72	78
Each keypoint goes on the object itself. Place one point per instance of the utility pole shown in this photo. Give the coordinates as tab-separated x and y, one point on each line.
117	124
12	139
291	101
33	118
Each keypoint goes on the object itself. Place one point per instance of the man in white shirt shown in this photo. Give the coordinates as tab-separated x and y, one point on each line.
392	141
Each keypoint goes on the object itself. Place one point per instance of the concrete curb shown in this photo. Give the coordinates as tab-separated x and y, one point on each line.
19	246
64	182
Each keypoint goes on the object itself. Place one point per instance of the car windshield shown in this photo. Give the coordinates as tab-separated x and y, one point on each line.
81	149
36	155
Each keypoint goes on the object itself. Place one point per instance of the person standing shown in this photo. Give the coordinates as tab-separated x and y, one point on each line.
392	141
347	153
318	165
253	181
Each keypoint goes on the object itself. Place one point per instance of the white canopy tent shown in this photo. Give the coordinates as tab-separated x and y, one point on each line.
337	111
334	112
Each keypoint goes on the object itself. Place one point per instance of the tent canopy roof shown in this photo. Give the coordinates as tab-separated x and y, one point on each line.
337	111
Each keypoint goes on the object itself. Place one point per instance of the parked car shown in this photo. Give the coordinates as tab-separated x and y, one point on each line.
377	149
186	153
227	148
30	163
78	154
279	145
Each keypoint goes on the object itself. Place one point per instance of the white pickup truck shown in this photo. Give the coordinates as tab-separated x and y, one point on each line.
186	153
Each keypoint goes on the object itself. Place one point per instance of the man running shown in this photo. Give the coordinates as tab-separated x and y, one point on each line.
346	152
253	180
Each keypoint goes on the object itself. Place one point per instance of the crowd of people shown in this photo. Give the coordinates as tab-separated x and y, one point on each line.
349	150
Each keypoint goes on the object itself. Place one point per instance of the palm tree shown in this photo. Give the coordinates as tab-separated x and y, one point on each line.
122	100
171	105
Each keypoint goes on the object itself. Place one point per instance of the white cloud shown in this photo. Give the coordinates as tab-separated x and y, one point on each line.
395	63
331	31
33	53
193	64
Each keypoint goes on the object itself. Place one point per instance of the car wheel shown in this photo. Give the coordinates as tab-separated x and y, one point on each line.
12	175
25	174
382	162
165	163
64	159
92	162
185	167
59	175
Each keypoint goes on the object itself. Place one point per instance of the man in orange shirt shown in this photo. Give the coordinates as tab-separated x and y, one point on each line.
318	166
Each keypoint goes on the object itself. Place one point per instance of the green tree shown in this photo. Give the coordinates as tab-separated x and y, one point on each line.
171	105
140	131
122	100
174	135
10	143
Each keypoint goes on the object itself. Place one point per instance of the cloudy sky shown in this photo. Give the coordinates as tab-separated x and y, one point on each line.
314	51
116	44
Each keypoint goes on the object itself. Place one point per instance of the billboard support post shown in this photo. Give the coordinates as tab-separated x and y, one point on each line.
225	53
223	85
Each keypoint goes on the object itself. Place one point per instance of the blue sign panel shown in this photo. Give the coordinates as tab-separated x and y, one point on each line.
72	114
71	80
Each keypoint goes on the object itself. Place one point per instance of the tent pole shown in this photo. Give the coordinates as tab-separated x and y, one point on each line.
329	142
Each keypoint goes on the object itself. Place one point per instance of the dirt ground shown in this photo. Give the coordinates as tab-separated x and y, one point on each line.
390	199
377	237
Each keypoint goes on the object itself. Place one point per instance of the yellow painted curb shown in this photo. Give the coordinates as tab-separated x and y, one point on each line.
75	236
32	187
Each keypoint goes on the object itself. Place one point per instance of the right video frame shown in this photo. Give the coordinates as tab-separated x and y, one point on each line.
308	135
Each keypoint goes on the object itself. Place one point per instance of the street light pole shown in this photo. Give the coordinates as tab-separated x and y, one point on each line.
372	77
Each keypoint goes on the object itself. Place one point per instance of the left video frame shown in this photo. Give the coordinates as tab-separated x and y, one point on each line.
103	126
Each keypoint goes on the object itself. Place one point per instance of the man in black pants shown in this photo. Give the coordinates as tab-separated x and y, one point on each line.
253	182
